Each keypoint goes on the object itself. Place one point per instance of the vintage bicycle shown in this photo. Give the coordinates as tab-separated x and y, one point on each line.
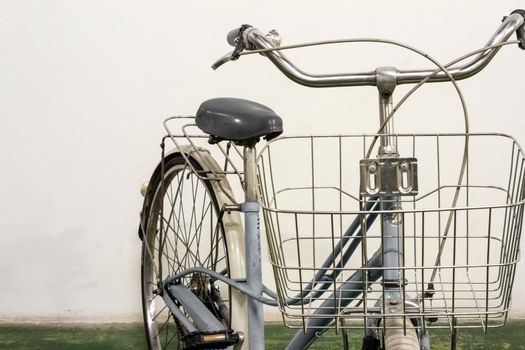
394	234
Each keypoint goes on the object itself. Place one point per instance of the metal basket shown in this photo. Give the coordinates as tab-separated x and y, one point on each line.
459	261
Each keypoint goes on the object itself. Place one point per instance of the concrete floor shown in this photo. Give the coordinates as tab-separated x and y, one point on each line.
130	336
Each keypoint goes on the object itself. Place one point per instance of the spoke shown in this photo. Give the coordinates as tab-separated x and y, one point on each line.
158	313
186	256
216	262
198	229
194	217
162	253
165	251
190	254
194	195
162	327
180	227
167	257
171	339
155	296
175	234
181	209
199	234
171	192
204	210
172	202
151	257
167	330
216	239
170	198
195	236
187	246
175	261
179	189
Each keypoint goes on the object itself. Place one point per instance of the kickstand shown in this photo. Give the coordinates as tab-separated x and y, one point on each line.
454	337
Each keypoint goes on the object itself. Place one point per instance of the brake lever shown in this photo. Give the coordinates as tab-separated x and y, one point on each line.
224	59
238	42
230	56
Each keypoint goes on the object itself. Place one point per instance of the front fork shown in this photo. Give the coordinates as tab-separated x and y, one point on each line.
394	300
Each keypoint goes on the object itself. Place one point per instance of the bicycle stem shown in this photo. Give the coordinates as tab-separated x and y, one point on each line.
386	84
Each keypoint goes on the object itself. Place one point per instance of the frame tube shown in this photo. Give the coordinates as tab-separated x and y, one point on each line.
251	209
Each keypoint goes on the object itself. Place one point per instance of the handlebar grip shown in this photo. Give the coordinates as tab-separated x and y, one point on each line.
232	35
520	32
235	36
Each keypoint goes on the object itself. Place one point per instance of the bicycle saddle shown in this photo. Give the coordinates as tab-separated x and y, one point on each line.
238	120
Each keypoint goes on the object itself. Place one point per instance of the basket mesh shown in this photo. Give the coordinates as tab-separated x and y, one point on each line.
459	260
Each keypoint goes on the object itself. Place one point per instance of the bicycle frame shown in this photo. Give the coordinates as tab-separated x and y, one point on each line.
345	243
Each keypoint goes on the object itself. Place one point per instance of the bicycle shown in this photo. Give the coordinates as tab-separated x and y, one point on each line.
201	262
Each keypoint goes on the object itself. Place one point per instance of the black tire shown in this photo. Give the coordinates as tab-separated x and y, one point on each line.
400	335
180	229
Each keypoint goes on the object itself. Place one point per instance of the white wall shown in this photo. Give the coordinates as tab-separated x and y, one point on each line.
84	86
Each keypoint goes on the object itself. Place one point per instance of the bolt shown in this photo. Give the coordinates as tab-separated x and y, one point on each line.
372	168
404	166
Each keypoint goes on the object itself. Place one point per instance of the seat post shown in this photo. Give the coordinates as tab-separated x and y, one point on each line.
252	234
250	173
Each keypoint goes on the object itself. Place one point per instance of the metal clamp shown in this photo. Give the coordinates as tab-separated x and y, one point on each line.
388	176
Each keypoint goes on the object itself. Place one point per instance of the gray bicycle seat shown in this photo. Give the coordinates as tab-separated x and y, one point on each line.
238	120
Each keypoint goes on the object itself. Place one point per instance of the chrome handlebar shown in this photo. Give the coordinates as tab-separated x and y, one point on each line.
255	39
502	34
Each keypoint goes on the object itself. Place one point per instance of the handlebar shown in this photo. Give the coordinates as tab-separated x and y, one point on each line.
255	39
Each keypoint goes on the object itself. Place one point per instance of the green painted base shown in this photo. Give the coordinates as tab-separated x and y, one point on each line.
130	336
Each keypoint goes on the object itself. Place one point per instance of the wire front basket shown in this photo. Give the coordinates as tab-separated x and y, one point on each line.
460	239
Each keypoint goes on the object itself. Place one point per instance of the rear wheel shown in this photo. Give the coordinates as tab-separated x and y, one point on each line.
181	229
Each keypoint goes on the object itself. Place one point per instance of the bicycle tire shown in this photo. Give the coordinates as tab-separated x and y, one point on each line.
192	235
400	335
